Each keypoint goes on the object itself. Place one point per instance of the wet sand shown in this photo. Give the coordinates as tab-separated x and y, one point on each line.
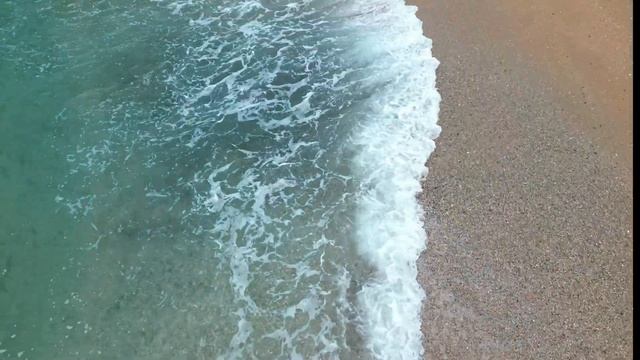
529	196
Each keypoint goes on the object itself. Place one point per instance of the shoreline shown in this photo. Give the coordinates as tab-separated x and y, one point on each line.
528	201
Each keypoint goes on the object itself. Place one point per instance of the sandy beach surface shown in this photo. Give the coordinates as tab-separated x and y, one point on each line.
529	194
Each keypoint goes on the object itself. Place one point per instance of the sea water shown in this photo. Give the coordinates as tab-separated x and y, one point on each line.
212	179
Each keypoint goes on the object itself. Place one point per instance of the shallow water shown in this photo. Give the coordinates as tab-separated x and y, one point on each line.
212	179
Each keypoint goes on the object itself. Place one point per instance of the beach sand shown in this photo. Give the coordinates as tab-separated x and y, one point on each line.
529	197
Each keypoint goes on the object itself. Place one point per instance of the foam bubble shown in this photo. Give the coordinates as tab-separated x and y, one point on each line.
251	149
394	144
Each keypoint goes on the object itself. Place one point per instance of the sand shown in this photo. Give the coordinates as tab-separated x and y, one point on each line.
529	196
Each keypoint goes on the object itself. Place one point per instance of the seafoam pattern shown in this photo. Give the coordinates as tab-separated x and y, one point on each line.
255	177
394	145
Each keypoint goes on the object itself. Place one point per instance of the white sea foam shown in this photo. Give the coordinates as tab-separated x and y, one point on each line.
276	124
394	144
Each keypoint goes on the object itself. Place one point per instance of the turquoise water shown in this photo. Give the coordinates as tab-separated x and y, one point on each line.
207	179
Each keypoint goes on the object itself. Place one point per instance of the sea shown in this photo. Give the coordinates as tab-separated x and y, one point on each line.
213	179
